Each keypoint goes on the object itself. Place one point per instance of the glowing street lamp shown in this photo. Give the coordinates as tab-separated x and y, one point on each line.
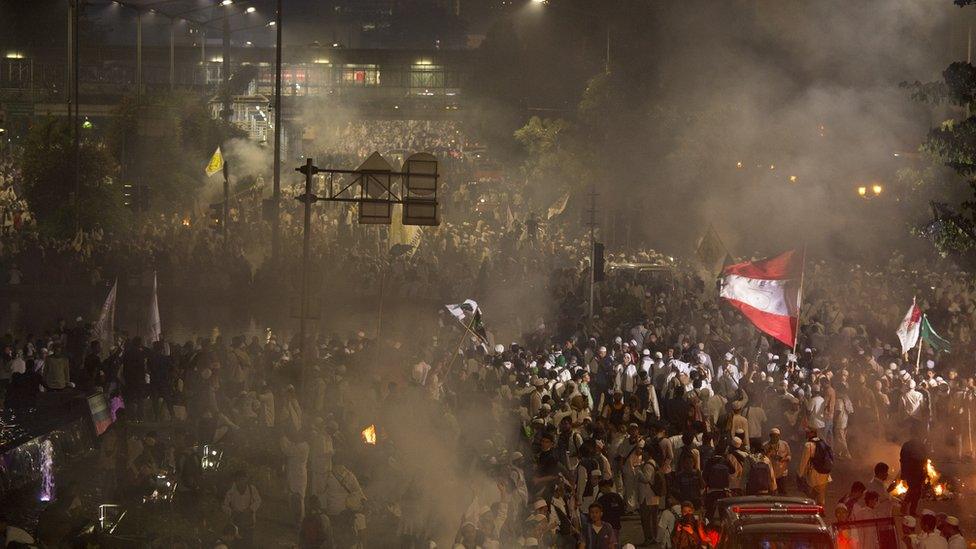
876	189
251	9
226	2
738	164
862	191
793	179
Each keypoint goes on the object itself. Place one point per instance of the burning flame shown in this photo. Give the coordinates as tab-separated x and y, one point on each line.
369	434
900	488
938	488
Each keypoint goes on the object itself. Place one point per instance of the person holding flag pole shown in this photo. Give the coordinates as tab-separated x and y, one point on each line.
908	332
460	312
217	164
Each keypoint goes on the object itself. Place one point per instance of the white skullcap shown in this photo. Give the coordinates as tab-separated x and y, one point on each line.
728	356
603	349
952	521
911	383
908	521
647	352
499	348
930	364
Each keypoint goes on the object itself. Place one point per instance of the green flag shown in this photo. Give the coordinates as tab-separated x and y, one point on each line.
933	339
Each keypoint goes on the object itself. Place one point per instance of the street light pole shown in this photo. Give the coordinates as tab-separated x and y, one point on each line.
276	189
307	199
76	129
172	54
225	79
139	53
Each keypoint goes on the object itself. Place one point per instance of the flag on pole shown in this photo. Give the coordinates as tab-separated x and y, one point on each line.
469	315
216	163
105	328
909	329
767	292
558	206
154	330
934	340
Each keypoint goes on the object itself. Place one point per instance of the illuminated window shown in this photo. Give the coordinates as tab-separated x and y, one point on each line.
360	75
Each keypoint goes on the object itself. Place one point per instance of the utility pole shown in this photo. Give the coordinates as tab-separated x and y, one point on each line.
276	189
307	199
139	53
69	74
225	69
75	126
172	54
226	210
592	226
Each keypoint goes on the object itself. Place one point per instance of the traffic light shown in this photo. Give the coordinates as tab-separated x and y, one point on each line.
599	263
135	197
128	196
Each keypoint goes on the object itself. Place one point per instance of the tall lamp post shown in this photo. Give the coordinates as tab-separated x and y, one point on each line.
75	129
276	189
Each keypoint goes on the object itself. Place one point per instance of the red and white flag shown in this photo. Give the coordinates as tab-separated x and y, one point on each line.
908	330
767	292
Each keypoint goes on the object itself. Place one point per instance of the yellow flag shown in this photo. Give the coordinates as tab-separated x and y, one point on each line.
216	163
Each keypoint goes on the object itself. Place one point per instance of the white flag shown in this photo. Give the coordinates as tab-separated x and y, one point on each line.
105	329
558	207
908	331
154	331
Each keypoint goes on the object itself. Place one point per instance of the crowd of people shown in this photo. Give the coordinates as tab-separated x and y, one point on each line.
657	406
557	438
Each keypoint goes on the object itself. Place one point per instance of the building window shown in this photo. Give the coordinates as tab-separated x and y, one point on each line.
360	75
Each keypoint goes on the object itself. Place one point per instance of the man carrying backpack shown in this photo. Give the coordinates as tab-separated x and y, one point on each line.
651	487
814	471
686	483
759	479
718	478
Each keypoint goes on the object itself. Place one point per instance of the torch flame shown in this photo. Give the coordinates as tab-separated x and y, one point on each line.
900	488
369	434
938	488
